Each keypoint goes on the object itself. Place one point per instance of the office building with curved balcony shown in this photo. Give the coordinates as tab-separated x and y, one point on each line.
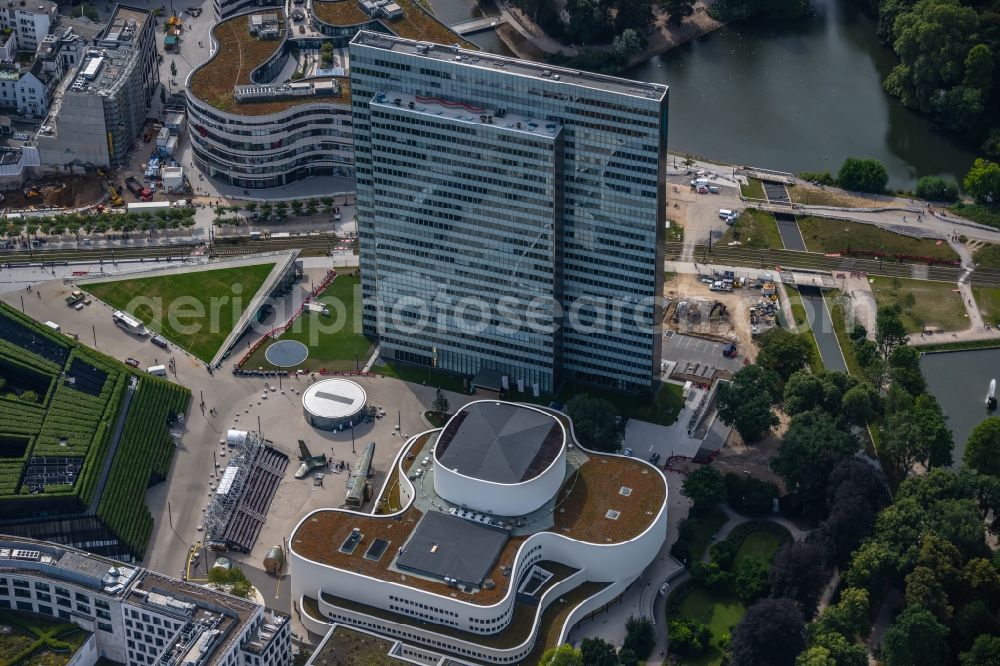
501	515
269	108
252	125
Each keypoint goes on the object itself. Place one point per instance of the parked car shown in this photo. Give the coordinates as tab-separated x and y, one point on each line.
729	351
159	341
626	452
132	362
655	458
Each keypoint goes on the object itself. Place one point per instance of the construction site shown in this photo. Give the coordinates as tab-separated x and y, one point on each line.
710	321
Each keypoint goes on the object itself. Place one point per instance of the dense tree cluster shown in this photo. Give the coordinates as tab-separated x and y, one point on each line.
949	53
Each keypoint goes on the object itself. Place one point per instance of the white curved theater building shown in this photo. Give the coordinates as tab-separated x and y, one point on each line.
501	516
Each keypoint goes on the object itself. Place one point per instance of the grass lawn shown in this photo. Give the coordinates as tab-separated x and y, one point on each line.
721	612
823	235
935	304
804	326
347	646
988	302
333	340
421	374
760	544
199	289
981	213
705	526
754	189
815	196
42	636
838	316
988	256
660	407
753	229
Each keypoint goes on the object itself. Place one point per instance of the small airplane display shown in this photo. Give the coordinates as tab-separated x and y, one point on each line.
309	461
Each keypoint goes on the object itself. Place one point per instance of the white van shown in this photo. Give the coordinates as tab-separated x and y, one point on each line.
698	182
54	326
726	214
158	370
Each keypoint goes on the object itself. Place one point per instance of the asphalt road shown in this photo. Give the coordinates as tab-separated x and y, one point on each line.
822	326
791	235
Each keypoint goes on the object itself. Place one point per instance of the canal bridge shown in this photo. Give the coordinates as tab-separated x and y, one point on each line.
479	24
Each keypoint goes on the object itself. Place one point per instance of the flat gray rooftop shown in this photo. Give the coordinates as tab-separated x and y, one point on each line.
483	60
445	546
499	442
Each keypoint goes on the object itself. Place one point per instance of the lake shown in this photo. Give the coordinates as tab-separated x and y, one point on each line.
795	96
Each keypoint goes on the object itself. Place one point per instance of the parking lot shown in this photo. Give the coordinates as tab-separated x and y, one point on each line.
682	349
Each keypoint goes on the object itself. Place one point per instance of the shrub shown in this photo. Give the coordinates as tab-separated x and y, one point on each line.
863	175
935	188
750	495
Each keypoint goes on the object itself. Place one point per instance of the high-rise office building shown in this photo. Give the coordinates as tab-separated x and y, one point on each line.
511	214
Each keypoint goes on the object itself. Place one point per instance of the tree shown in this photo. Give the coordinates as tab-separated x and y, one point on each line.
627	43
783	352
751	579
595	422
863	175
597	652
984	652
932	40
810	449
771	633
861	404
564	655
640	637
750	495
798	572
626	657
982	182
916	637
440	403
936	188
687	638
889	330
848	617
919	435
705	487
326	54
816	656
677	10
805	391
982	450
747	402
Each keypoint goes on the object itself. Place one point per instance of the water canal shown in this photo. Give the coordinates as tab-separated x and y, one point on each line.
959	380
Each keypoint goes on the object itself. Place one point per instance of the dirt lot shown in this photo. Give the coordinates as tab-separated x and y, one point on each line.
735	326
74	192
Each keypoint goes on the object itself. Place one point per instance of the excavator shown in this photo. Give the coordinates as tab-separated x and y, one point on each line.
309	461
114	198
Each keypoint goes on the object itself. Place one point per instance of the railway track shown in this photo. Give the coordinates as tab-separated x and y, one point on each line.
311	246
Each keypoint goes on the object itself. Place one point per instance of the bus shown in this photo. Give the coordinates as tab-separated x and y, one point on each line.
129	323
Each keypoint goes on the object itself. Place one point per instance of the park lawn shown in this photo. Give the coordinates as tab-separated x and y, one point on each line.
831	236
202	287
753	229
760	544
721	611
335	341
754	189
988	302
988	256
826	196
422	374
936	303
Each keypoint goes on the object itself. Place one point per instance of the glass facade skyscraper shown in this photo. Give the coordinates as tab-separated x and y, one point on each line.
511	215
